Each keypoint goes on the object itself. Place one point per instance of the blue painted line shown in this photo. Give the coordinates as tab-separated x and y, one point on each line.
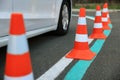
79	69
110	25
107	32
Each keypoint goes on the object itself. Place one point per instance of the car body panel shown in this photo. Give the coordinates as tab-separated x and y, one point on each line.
40	16
41	12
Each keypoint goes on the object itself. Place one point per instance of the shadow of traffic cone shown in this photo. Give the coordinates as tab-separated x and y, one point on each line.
98	27
81	48
18	63
105	17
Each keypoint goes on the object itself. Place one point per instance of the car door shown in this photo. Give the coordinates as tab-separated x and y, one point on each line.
5	10
37	13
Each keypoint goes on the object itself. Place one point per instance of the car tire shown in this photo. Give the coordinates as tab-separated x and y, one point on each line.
64	19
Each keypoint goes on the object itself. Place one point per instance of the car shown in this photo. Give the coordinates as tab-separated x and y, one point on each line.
40	16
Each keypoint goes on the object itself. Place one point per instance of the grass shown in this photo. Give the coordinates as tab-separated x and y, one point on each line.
93	6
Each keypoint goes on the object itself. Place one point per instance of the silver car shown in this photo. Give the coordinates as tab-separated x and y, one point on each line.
40	16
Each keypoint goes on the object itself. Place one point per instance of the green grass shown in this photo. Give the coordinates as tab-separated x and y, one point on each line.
93	6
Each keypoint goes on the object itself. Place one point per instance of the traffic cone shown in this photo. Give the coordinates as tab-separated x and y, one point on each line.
18	63
109	20
98	27
81	48
108	16
105	17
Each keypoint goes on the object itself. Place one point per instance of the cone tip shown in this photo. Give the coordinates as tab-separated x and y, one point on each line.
105	5
82	12
98	7
17	24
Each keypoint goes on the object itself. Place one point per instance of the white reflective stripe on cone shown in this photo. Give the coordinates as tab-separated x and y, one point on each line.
98	13
81	38
82	21
17	44
104	19
98	25
105	10
27	77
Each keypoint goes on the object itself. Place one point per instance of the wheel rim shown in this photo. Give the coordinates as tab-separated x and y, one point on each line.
65	17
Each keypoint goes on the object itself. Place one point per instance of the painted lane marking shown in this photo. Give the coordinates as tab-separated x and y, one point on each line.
79	69
75	15
56	69
89	17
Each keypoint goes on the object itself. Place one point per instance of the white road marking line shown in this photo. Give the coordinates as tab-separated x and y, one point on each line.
75	15
89	17
56	69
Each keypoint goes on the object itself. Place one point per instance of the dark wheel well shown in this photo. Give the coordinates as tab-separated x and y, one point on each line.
70	4
70	9
62	28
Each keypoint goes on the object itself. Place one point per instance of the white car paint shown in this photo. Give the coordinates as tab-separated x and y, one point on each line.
40	16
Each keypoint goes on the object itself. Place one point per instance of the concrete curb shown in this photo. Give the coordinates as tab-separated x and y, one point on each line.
93	10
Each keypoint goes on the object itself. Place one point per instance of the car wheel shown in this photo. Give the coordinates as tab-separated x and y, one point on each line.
64	19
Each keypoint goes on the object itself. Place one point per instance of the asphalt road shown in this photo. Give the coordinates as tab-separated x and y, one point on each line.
47	49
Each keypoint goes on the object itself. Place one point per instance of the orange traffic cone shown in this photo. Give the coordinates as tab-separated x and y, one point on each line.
18	63
105	17
98	27
81	48
108	16
109	20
